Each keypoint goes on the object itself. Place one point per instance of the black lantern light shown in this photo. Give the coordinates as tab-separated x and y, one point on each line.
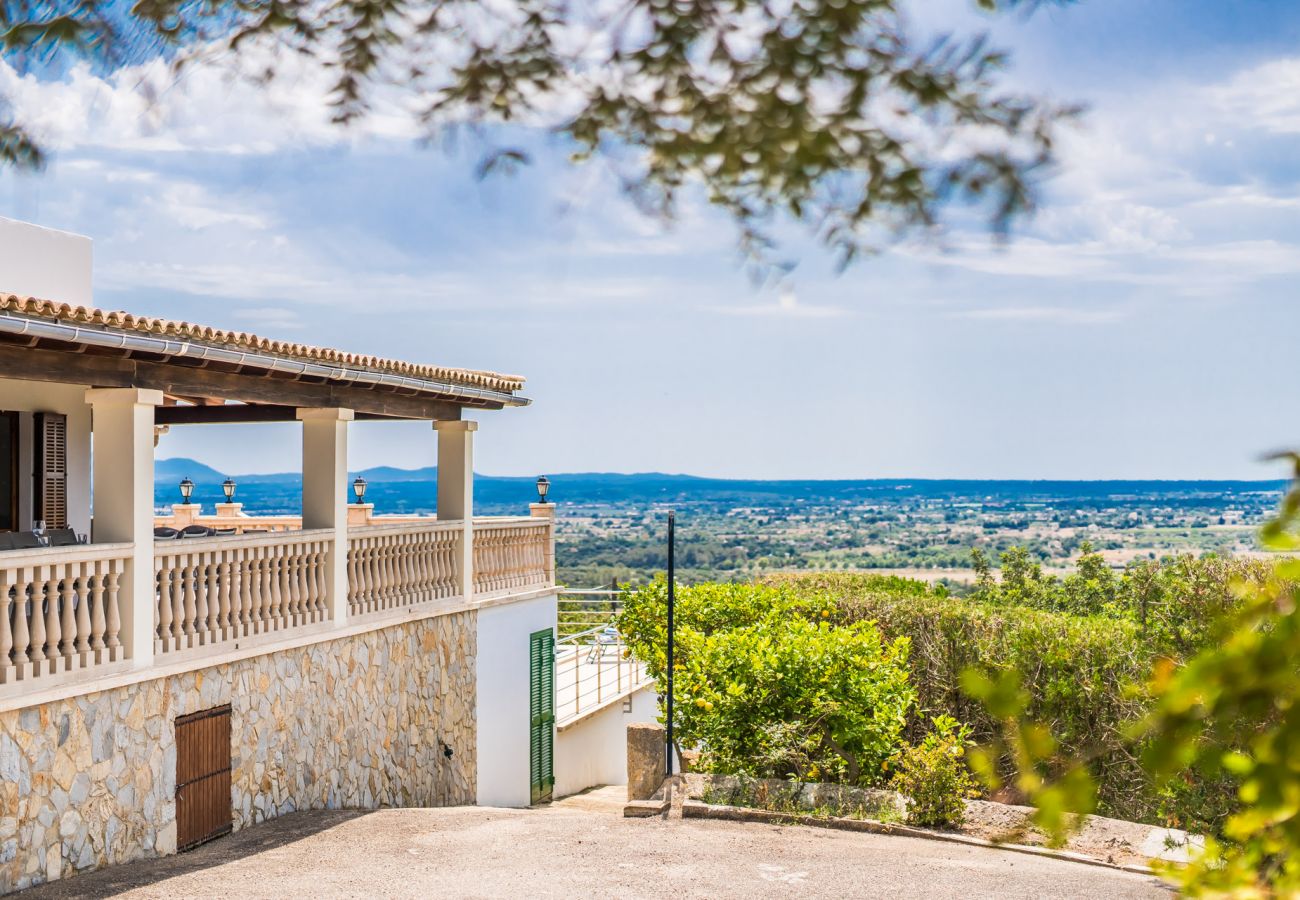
187	489
543	488
228	488
359	489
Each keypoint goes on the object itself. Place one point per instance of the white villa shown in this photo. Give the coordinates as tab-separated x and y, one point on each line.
157	692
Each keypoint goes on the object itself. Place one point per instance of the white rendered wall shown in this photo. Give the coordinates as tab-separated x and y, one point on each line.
501	666
593	751
27	397
41	262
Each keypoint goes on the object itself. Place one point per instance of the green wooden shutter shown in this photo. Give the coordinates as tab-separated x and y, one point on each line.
541	708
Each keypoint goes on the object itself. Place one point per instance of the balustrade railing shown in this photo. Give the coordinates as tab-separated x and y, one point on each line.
60	610
392	566
217	589
512	553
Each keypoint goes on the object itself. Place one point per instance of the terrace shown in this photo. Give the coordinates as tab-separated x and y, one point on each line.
85	394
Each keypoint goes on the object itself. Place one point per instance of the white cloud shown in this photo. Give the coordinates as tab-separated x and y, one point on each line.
787	306
1047	314
1264	97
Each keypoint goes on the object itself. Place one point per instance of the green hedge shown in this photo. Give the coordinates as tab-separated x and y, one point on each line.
1083	674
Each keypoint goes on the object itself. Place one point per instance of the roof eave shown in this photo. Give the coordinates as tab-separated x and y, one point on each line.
112	338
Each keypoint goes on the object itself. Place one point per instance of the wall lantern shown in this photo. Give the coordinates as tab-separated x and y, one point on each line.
228	488
359	489
543	488
187	490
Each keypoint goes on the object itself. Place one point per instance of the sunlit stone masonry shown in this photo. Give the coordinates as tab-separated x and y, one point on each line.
359	722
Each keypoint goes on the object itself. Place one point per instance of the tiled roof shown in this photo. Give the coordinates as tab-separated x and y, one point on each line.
123	321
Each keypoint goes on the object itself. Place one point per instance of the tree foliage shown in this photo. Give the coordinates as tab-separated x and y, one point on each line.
767	686
832	113
1232	709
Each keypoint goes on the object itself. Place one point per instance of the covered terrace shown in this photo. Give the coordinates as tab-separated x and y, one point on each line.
83	393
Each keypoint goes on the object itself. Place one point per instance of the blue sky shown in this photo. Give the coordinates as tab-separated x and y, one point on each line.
1136	328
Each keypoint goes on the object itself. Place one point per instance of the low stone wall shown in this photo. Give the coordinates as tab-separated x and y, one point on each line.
359	722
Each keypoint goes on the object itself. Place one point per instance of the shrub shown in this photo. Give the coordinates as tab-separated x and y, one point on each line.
766	687
934	775
1084	676
1177	603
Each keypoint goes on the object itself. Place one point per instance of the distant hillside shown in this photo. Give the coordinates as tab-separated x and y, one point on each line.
414	490
172	471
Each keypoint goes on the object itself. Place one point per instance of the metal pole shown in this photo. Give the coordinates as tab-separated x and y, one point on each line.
672	519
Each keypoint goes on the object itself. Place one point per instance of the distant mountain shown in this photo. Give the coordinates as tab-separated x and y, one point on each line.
392	474
415	490
172	471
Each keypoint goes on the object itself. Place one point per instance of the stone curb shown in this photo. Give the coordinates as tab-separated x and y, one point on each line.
695	809
645	809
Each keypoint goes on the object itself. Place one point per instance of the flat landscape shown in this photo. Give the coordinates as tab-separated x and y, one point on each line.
612	527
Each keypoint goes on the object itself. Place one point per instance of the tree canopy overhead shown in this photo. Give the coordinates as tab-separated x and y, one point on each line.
835	114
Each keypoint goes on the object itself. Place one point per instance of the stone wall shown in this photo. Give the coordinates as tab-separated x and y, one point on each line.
358	722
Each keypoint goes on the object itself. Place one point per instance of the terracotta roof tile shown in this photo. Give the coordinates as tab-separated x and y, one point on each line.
85	315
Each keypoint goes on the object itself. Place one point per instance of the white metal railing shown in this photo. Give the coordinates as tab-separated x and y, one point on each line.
512	553
60	610
592	664
217	589
391	566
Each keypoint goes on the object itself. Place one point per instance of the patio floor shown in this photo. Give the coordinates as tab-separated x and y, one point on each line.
582	846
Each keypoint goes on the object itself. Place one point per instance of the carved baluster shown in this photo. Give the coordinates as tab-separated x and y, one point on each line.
166	579
354	577
283	557
94	596
185	615
112	609
404	555
23	649
270	586
6	631
297	553
367	566
263	596
211	597
385	545
75	637
44	611
307	579
244	578
198	565
224	624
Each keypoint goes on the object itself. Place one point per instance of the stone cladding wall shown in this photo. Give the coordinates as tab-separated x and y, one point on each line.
358	722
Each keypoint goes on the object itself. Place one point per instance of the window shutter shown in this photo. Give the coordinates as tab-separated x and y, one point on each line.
548	716
541	703
50	499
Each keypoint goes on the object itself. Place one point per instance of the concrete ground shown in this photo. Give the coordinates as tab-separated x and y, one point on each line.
583	847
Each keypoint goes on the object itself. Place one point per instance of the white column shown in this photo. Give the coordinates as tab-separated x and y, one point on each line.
122	425
456	490
324	494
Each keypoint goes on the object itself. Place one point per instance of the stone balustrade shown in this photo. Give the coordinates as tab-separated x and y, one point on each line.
393	566
217	589
60	610
511	553
65	611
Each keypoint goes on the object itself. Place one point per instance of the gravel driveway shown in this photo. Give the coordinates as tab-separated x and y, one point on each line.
582	847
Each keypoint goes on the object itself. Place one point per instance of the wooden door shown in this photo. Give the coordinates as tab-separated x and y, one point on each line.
203	809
